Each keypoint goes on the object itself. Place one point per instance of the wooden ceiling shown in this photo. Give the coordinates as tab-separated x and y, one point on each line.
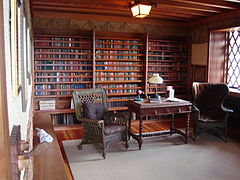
167	12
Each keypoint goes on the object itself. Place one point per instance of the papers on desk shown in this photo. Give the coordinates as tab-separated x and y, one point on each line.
172	100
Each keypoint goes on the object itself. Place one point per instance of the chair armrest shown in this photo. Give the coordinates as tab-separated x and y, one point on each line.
195	109
86	120
195	113
92	127
115	118
228	110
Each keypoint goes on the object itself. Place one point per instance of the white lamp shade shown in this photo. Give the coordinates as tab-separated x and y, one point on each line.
155	79
140	10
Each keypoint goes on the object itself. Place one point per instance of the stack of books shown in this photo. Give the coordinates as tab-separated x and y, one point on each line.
47	104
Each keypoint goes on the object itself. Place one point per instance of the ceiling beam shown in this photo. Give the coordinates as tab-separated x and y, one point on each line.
182	11
215	18
186	13
181	5
153	14
213	3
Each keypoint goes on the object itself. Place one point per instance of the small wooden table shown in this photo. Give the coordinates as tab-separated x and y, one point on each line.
145	108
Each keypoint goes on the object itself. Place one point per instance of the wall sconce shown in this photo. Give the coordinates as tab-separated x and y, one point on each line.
156	79
140	10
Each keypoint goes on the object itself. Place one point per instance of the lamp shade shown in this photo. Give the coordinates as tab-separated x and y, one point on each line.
141	10
155	79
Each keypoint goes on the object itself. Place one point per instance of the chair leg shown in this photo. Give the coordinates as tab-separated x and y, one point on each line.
104	150
80	145
126	145
195	132
225	135
226	139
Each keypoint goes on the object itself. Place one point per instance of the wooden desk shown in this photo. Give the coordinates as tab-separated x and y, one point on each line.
144	109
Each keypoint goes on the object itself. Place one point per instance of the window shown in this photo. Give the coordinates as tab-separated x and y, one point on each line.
233	60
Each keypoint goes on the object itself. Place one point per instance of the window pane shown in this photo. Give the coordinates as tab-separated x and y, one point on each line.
233	76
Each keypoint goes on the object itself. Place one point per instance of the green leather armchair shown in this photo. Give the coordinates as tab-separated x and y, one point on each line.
208	109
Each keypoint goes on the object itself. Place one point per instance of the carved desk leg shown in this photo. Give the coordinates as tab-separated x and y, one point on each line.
172	124
129	124
140	141
187	128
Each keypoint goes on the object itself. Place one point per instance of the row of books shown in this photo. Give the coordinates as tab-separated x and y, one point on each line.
166	63
63	79
118	104
117	41
62	56
118	63
53	87
60	50
63	67
61	44
117	78
119	85
68	118
47	104
53	93
167	58
120	57
121	98
62	62
167	49
167	53
166	42
118	68
63	74
118	46
59	38
166	68
118	52
118	73
121	91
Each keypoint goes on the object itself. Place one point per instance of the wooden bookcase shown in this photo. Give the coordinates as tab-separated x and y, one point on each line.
120	66
120	62
169	59
62	64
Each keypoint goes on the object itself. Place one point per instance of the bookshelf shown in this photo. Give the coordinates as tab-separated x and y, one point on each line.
120	62
62	64
119	67
169	59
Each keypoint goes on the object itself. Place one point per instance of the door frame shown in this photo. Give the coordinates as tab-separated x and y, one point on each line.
5	155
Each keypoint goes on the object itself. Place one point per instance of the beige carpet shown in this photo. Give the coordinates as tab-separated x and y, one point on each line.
167	157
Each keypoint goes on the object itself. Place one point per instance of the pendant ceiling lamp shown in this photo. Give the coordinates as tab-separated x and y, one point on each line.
139	9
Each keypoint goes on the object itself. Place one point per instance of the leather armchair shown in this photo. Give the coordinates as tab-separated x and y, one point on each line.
208	109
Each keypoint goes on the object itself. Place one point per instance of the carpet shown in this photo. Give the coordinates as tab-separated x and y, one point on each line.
166	157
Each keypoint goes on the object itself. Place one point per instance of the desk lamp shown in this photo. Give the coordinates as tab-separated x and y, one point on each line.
156	79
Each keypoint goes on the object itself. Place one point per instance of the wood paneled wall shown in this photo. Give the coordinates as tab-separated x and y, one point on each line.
199	73
216	61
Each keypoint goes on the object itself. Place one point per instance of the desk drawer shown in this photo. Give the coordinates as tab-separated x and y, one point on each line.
166	110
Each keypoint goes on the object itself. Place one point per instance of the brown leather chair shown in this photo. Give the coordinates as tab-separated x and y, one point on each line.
99	125
208	109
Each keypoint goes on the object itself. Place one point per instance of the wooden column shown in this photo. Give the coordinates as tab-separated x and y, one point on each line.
94	58
146	66
5	170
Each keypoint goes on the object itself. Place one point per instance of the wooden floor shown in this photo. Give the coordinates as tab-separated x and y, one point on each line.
72	132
